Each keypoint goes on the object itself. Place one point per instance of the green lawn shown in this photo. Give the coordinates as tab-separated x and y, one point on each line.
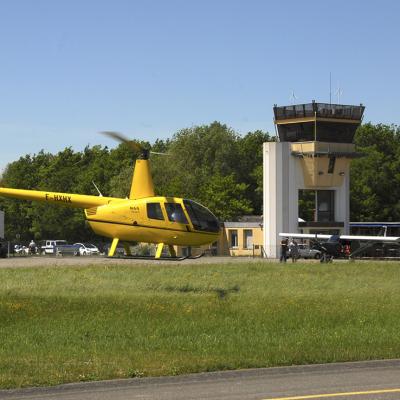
89	323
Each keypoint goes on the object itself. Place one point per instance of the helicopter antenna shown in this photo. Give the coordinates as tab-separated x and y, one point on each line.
100	194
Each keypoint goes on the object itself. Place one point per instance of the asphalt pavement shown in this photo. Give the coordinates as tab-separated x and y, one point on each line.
356	380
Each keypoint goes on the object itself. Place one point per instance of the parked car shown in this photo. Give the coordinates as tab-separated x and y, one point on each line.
87	249
306	252
59	247
20	249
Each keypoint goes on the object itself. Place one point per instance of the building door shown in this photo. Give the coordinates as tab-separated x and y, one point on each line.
233	238
248	238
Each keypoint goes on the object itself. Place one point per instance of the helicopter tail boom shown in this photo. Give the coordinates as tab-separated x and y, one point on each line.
67	199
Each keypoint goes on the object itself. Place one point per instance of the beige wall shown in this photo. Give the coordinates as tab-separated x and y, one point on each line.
222	246
315	168
224	243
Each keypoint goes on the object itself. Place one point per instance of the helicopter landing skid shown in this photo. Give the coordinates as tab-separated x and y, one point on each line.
152	258
195	257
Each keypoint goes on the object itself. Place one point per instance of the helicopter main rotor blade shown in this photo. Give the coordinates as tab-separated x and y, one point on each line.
121	138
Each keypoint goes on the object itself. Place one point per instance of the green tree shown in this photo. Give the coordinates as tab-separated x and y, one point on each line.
225	197
196	154
375	177
250	166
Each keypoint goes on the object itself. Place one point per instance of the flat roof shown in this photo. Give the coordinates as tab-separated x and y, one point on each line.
231	224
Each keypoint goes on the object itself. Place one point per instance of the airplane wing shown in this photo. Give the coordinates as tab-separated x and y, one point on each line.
341	237
66	199
306	236
371	238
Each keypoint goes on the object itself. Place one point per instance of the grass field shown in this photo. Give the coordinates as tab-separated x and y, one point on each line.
89	323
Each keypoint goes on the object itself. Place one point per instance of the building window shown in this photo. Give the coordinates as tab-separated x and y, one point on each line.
248	238
233	238
331	166
154	211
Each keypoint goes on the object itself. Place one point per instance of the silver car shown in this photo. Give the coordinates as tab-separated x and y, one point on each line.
87	249
306	252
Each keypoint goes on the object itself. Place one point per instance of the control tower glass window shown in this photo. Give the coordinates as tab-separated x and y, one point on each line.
336	123
325	205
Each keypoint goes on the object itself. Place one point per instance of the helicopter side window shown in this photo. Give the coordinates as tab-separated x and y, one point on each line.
175	213
154	211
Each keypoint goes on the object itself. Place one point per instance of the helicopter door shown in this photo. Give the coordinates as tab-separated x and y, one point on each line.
155	215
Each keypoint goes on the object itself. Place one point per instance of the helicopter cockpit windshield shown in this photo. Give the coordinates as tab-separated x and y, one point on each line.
202	219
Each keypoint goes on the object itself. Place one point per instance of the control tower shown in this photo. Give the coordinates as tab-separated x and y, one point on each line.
312	156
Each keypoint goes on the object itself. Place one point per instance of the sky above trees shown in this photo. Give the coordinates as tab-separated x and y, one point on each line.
71	69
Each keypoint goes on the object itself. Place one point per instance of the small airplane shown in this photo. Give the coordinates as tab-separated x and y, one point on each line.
143	217
333	246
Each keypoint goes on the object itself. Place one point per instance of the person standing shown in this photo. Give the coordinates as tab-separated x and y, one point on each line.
284	250
32	247
294	250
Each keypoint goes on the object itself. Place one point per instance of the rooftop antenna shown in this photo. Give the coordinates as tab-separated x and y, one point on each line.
293	97
338	93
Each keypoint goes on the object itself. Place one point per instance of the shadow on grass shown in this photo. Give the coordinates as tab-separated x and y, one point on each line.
222	293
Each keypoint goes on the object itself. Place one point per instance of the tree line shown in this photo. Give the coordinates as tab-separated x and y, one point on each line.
211	164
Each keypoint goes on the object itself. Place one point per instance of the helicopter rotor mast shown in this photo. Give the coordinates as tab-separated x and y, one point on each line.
142	181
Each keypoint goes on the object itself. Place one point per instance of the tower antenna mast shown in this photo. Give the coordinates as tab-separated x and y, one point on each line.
293	97
338	93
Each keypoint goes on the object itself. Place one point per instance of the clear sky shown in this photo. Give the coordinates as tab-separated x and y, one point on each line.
69	69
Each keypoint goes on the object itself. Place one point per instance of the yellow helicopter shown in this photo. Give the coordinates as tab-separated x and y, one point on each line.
143	217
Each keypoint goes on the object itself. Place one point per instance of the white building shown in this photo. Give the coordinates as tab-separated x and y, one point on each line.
313	153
